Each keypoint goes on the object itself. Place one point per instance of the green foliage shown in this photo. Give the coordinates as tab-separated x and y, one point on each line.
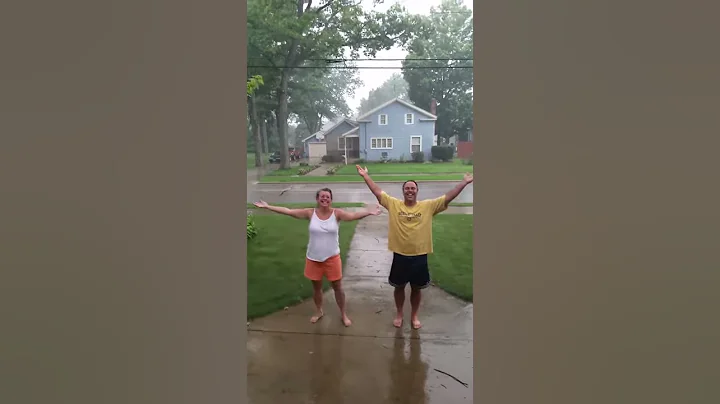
394	87
305	170
444	153
333	170
285	34
252	230
253	83
418	157
331	158
319	94
446	34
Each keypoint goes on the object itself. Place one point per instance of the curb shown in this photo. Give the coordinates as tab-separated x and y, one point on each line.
351	182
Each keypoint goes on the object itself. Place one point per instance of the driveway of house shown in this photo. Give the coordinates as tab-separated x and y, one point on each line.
293	361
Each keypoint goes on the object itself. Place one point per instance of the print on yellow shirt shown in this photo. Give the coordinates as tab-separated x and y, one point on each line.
410	227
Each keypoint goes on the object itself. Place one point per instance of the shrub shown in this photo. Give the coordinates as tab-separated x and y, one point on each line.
303	164
418	157
251	228
331	158
361	161
333	170
468	161
444	153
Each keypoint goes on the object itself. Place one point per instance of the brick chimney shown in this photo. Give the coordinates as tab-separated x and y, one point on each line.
433	106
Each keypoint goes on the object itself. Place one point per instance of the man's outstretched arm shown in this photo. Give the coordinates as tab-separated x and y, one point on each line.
374	188
453	193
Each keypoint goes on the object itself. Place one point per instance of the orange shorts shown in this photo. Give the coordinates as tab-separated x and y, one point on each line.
331	268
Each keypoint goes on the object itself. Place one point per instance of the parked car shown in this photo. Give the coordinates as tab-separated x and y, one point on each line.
274	157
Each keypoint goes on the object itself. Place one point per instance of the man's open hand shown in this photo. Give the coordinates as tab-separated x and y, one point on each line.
362	171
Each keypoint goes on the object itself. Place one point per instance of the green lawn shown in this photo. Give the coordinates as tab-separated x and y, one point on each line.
300	205
284	172
455	166
356	178
251	159
451	264
276	261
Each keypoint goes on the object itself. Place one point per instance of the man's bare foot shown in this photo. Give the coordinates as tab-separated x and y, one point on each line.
346	320
398	321
314	319
416	324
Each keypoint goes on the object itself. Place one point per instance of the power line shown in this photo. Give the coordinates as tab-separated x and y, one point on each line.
359	67
338	60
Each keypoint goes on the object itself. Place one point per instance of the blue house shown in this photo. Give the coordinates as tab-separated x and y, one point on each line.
393	131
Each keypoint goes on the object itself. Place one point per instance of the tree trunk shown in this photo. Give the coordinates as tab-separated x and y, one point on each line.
264	135
255	124
282	117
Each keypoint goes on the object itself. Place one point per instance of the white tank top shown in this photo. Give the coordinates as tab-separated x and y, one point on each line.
324	238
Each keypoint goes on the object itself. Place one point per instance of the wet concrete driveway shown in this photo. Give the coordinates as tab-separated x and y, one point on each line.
294	361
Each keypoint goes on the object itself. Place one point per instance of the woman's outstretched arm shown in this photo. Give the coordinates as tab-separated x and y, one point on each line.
350	216
296	213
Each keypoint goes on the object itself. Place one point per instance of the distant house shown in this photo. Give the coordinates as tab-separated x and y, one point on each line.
326	140
393	131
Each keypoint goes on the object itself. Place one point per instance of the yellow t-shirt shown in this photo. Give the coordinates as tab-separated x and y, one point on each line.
410	227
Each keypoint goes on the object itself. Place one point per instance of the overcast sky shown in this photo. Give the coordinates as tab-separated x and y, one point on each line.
372	78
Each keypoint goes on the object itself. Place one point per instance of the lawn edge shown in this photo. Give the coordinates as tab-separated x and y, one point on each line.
326	284
453	294
348	182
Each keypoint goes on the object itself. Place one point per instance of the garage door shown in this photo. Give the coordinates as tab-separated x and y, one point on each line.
316	151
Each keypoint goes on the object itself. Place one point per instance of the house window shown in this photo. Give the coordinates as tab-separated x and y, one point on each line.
415	144
382	119
381	143
341	143
409	119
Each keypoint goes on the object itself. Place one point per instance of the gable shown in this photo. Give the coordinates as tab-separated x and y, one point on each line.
397	108
340	129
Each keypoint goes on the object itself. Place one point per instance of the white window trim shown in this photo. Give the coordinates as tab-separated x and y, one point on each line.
380	119
412	119
411	143
377	139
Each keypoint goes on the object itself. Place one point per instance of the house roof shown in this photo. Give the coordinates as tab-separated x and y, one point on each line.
351	131
401	101
330	126
313	135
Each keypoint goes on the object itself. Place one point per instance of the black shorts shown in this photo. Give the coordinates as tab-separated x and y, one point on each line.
409	269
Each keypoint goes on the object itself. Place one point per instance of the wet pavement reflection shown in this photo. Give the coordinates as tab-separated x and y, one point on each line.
291	360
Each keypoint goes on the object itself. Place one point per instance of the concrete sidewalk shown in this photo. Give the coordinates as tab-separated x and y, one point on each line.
291	360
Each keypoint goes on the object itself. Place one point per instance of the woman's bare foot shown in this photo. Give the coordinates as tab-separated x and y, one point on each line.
314	319
398	321
346	320
416	324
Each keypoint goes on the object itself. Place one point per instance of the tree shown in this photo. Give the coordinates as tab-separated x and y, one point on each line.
253	83
394	87
446	75
287	35
320	94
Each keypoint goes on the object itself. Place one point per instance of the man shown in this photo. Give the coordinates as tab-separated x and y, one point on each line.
410	239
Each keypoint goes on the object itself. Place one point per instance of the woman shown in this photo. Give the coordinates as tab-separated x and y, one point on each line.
323	251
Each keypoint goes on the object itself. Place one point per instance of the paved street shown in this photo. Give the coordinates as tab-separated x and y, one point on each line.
294	361
346	192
